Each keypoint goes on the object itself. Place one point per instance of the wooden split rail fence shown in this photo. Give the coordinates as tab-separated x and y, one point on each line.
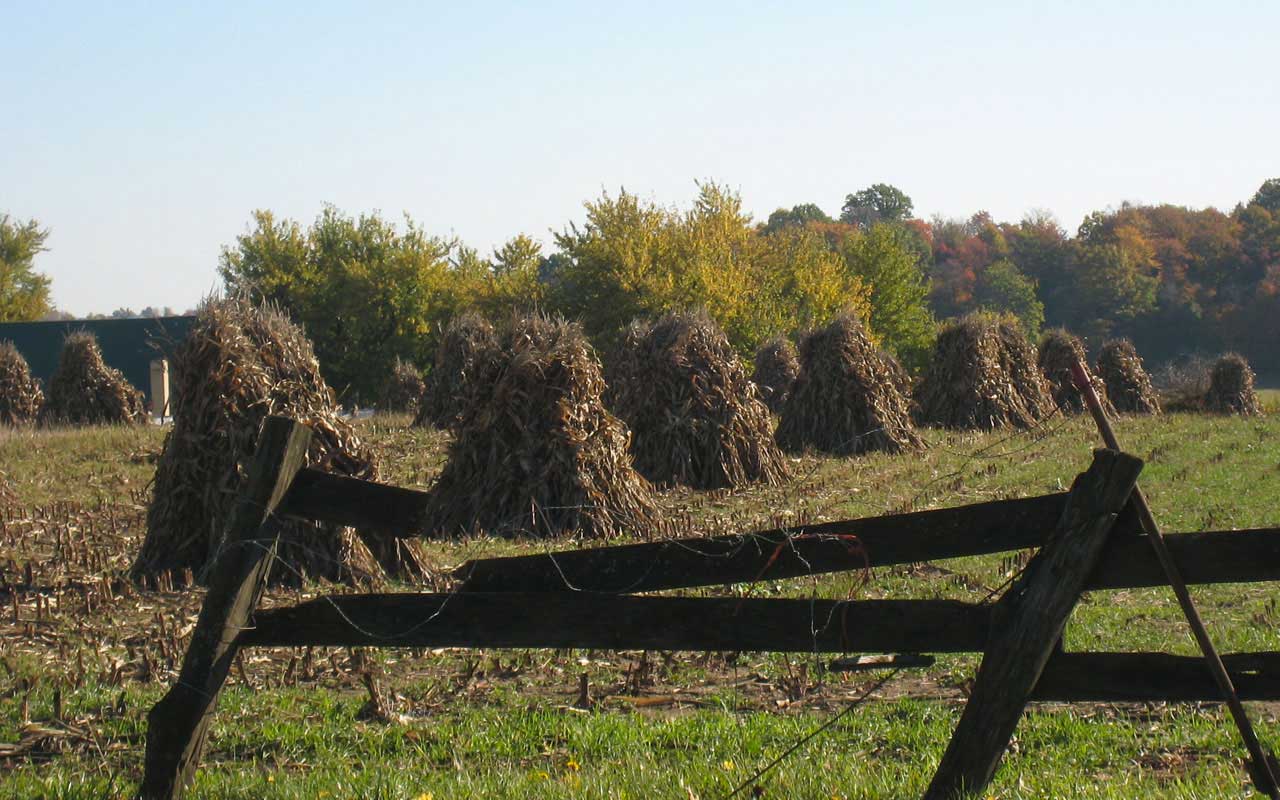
1088	538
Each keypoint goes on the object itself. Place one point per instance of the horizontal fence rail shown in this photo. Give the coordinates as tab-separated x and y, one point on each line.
979	529
624	622
1154	677
1245	556
774	554
342	500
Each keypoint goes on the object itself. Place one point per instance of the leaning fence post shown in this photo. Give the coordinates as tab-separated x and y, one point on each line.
1029	622
178	724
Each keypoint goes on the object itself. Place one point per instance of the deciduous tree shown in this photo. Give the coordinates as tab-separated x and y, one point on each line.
802	214
366	291
24	293
1004	289
879	202
883	258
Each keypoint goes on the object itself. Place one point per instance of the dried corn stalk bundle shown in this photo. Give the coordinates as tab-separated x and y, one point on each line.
466	344
846	399
20	395
1231	387
535	451
902	380
615	366
1059	350
1128	384
1018	357
696	419
240	363
776	368
85	391
404	388
968	386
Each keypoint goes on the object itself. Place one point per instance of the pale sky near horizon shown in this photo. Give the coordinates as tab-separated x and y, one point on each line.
143	136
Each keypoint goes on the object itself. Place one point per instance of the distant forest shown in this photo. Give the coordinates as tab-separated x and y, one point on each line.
1177	281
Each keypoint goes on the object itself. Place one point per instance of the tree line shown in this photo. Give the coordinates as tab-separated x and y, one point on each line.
368	290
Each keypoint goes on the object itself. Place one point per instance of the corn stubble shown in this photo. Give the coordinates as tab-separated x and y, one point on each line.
535	452
982	376
85	391
696	419
20	393
240	363
848	397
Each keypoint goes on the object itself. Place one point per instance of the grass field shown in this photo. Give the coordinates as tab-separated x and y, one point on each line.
88	655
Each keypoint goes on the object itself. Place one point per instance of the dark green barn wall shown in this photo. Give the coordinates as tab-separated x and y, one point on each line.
129	345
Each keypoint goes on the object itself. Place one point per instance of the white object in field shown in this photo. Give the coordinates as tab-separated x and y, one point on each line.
160	388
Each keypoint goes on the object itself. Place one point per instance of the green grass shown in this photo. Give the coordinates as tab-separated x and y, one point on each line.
500	724
1270	400
295	744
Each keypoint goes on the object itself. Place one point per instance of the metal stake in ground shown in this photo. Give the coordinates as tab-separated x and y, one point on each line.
1260	766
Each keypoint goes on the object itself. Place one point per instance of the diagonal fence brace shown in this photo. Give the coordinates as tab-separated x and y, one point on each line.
1029	623
1261	766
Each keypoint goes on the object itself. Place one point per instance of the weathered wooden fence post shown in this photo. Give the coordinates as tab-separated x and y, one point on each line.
178	724
1028	624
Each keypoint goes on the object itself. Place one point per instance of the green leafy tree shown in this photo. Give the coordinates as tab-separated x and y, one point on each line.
1004	289
716	252
24	293
271	261
1268	196
615	267
514	280
885	259
1042	251
1111	286
635	259
802	214
1259	235
520	254
804	283
366	291
877	203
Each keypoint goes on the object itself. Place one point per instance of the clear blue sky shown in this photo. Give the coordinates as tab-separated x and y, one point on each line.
144	136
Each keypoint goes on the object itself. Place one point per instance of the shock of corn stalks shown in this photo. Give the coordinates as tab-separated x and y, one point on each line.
1128	384
85	391
1058	351
240	363
847	398
970	385
1231	388
776	368
1019	358
696	419
466	344
535	452
20	394
404	389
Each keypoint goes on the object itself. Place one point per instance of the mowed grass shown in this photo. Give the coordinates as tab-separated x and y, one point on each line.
502	724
